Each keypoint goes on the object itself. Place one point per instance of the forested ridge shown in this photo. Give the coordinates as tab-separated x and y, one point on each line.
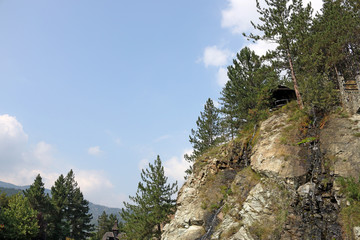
314	51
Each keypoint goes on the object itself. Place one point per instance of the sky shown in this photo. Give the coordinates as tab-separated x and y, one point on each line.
103	87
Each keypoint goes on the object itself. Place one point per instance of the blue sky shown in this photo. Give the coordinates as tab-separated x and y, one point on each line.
103	87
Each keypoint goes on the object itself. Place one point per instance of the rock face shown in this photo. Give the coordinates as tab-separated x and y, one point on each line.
272	158
283	191
340	142
189	217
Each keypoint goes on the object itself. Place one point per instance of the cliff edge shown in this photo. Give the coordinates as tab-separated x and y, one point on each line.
284	182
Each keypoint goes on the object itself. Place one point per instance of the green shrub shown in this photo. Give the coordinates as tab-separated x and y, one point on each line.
351	188
357	134
350	214
307	140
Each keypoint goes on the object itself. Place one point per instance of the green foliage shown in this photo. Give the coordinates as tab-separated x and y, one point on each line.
350	218
4	200
152	204
357	134
19	219
286	23
296	125
350	187
39	202
307	140
246	95
225	191
207	133
204	205
105	224
69	213
58	224
214	206
350	214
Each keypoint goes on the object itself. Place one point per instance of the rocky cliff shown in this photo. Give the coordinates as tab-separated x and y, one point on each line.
283	181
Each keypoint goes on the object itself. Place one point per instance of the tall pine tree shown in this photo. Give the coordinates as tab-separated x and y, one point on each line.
77	212
208	132
40	202
248	88
151	206
70	216
284	23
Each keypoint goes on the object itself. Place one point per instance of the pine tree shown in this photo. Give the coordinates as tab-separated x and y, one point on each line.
207	133
152	205
248	88
58	225
70	217
39	202
284	23
77	210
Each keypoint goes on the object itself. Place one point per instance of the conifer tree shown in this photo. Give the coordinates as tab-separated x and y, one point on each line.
39	202
207	133
70	217
77	212
248	88
284	23
58	225
151	206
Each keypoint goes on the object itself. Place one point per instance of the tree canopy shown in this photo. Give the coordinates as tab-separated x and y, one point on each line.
151	206
207	133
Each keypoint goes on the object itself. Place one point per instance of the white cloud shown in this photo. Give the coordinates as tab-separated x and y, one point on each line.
162	138
261	47
175	167
213	56
13	142
43	152
95	151
94	184
238	14
143	164
222	77
21	163
11	129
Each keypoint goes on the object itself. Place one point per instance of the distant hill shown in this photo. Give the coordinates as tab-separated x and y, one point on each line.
95	209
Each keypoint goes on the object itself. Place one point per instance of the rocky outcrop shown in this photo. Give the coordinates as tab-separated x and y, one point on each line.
286	191
340	143
189	217
202	193
273	158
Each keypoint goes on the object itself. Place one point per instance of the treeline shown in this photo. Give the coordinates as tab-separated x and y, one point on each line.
36	215
312	53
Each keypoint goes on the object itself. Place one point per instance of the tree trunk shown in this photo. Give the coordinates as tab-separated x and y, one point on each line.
296	88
